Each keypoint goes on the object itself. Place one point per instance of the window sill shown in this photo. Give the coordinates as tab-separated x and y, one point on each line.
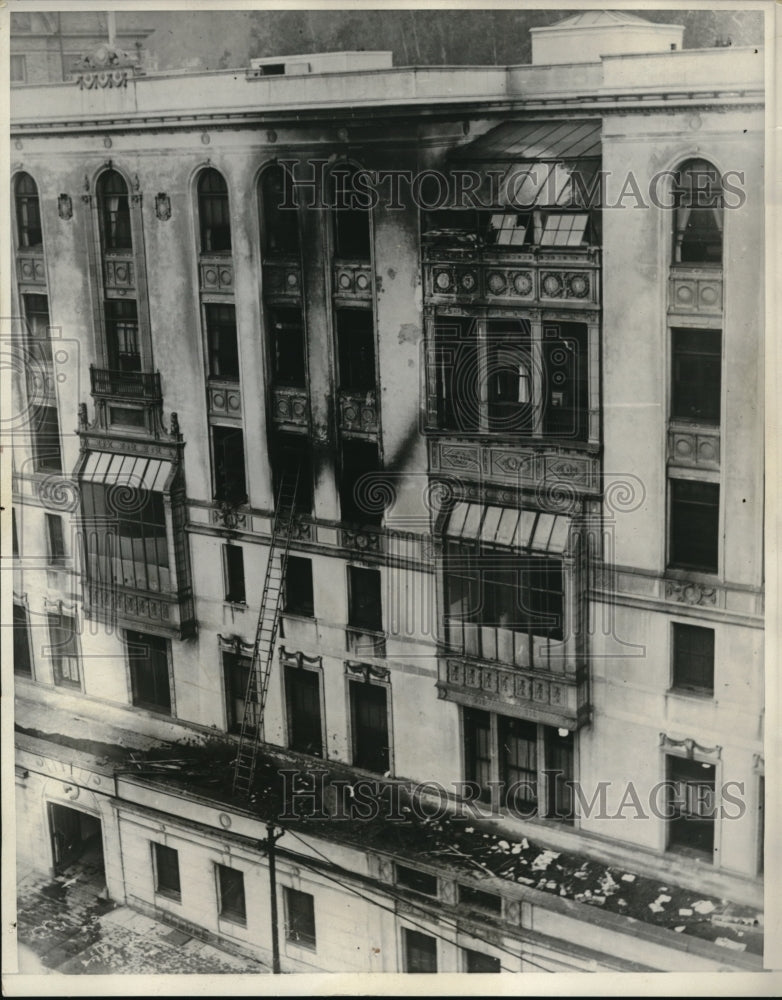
692	575
301	943
169	895
697	694
235	921
235	605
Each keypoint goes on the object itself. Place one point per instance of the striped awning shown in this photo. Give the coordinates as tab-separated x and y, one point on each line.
509	527
126	470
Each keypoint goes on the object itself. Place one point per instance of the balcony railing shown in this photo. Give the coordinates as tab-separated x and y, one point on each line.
173	614
128	385
557	276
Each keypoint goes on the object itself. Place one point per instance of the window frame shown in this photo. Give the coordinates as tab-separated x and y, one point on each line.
293	721
157	658
25	203
679	682
55	540
235	665
408	936
169	892
299	608
214	202
116	226
386	751
345	215
225	912
233	574
74	655
221	333
682	213
21	623
222	490
292	899
291	249
46	438
678	533
704	390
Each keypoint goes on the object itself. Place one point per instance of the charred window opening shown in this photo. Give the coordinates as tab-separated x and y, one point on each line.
292	457
213	213
23	661
280	224
365	612
55	540
694	527
122	335
236	674
508	376
230	883
698	214
697	368
302	696
566	385
222	341
692	806
36	314
114	208
288	346
299	593
28	213
457	368
167	882
148	661
350	212
233	571
362	497
46	439
228	457
299	917
356	350
420	951
369	725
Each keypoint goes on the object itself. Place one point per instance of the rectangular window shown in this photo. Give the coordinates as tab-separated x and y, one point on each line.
228	452
23	661
36	314
519	763
456	364
299	917
299	597
365	612
477	750
507	229
692	806
230	884
565	381
559	754
693	658
292	458
369	723
148	660
356	350
55	540
167	871
122	336
421	882
477	899
351	220
233	571
302	697
14	535
476	961
697	367
220	320
420	951
64	650
288	346
694	529
18	69
359	474
236	672
46	439
566	230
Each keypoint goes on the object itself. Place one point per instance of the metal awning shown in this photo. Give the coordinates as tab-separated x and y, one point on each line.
508	527
126	470
536	164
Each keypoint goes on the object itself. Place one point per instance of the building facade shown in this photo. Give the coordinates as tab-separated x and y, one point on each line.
502	328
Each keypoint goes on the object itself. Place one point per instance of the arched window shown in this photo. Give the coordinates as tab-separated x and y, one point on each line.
280	224
213	213
349	201
28	212
698	213
114	211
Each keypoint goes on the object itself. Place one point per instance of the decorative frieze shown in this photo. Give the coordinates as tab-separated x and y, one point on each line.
217	274
688	592
358	412
695	290
282	278
367	672
353	280
689	748
30	269
290	406
169	613
362	541
119	274
224	399
694	447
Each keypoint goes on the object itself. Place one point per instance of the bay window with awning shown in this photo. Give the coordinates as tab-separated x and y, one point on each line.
134	549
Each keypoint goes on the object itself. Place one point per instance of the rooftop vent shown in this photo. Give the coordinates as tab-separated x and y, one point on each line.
319	62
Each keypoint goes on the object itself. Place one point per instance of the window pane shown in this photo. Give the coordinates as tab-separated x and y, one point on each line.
148	659
697	367
167	870
370	726
420	952
365	608
698	214
299	599
693	657
23	663
213	213
231	885
302	692
236	670
64	650
519	763
692	802
280	225
299	917
458	373
230	484
222	341
694	525
287	346
477	749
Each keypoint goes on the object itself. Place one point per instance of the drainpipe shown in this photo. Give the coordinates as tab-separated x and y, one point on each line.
271	839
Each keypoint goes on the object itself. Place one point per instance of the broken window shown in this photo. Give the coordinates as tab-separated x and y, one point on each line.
28	212
166	864
299	917
64	650
213	213
299	599
292	458
23	661
411	878
352	233
692	806
694	527
45	425
280	224
228	457
369	726
230	885
233	571
693	658
698	214
148	660
356	350
288	346
420	951
122	335
302	697
362	494
697	368
236	674
477	899
508	229
220	320
114	209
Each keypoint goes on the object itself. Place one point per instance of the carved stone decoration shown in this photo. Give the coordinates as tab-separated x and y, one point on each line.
106	68
687	592
135	196
363	541
689	748
298	659
367	672
162	206
65	207
229	517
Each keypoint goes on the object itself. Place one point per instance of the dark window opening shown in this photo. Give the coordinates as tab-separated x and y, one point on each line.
418	881
369	723
365	612
122	335
288	347
476	961
694	529
477	899
14	535
292	458
231	894
36	313
228	450
236	673
697	366
299	594
272	69
698	214
457	372
693	658
558	748
519	763
508	376
213	213
420	951
692	806
222	341
565	376
23	661
55	539
28	213
360	489
302	696
46	439
356	350
167	881
233	564
299	917
148	660
114	211
280	224
477	750
64	650
352	233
